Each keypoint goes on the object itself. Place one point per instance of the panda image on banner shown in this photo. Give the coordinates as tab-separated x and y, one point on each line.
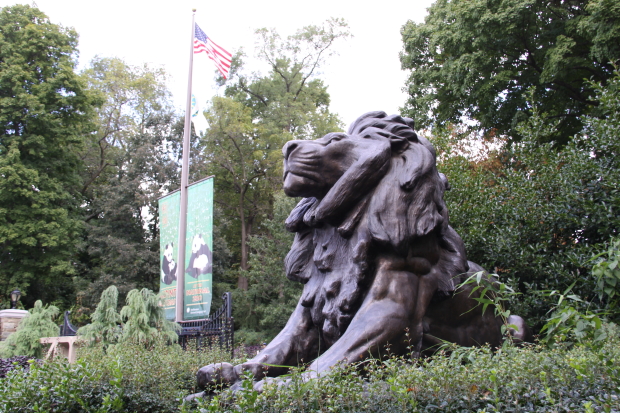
168	266
200	260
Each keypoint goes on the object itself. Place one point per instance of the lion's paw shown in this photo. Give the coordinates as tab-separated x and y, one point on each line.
217	373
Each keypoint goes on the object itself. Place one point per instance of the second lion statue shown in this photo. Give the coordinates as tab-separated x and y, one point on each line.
380	263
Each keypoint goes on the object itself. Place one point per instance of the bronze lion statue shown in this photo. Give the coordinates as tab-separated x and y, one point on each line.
373	247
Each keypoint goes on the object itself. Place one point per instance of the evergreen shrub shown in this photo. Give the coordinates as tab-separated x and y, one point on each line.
25	341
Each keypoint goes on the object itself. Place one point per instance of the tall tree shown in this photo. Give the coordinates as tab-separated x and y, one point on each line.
241	160
45	113
290	100
535	213
478	58
131	161
271	297
262	112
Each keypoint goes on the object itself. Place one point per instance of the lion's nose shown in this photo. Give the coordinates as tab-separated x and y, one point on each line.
288	148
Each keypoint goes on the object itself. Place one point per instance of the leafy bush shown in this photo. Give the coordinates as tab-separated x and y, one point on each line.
122	378
9	364
25	341
129	377
56	386
572	321
151	380
532	379
607	274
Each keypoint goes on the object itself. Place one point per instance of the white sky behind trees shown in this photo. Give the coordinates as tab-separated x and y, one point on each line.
365	76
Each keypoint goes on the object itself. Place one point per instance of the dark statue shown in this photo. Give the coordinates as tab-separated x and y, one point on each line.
373	247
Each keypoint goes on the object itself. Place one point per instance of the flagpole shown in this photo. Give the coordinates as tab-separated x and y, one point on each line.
180	295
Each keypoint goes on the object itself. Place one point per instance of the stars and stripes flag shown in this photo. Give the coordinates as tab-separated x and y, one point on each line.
204	44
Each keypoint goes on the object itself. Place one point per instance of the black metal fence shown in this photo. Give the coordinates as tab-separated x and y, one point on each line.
67	329
217	329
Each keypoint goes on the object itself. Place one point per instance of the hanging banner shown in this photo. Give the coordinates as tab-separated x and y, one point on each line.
198	264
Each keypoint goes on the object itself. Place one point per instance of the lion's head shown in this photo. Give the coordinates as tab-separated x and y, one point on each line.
380	158
373	189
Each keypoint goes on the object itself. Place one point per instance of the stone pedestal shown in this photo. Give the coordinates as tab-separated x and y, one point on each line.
9	320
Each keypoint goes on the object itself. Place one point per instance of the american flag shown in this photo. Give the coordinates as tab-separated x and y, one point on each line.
221	58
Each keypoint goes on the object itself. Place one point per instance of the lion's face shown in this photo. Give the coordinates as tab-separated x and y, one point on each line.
311	168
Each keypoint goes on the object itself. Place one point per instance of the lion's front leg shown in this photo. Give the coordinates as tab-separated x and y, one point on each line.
390	307
298	342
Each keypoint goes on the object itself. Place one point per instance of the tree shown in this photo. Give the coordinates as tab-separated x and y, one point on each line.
143	317
290	101
145	322
535	213
130	162
261	112
271	297
105	325
45	113
236	149
477	59
36	325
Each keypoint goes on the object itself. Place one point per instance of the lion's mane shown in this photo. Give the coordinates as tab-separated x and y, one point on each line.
396	209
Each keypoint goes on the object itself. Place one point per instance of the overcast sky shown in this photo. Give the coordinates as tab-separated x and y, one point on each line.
365	76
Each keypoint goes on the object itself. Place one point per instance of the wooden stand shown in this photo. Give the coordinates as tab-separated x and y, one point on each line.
64	346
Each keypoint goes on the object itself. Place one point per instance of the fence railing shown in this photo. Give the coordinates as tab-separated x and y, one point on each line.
67	329
217	329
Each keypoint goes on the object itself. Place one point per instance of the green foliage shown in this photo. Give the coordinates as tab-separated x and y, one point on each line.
25	341
535	213
145	322
478	59
141	321
132	378
290	101
271	298
126	378
130	162
45	114
152	380
607	275
568	323
488	290
105	325
532	379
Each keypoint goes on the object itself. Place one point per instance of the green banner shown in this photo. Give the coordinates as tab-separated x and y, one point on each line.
198	257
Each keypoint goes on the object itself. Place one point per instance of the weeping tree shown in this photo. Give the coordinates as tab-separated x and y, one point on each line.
144	319
105	325
140	321
25	341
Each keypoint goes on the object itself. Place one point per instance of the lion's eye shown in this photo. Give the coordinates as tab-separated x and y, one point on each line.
334	139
